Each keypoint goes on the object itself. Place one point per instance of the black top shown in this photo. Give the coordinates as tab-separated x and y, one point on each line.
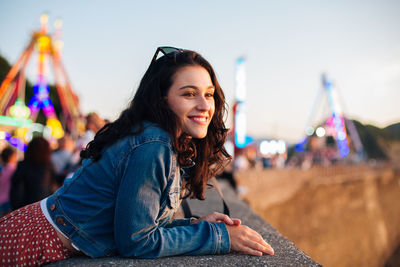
29	184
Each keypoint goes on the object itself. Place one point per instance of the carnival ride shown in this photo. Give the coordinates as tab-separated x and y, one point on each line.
17	121
335	126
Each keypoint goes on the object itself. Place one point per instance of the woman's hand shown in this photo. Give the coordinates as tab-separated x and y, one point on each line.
245	240
218	217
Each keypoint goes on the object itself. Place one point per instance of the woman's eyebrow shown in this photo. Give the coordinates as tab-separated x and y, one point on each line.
195	87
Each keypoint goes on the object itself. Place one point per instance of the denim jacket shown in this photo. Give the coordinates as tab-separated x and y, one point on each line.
123	203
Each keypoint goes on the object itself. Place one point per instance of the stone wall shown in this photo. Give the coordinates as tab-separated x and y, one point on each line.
286	253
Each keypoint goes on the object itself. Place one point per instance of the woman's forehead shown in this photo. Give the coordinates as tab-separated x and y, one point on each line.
192	75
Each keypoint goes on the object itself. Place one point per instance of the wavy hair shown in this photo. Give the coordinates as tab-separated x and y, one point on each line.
150	104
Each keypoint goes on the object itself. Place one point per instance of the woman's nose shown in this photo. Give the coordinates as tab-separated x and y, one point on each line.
203	103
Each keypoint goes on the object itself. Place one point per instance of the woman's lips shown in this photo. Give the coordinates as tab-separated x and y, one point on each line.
199	119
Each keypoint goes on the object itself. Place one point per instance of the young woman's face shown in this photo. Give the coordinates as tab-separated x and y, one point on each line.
191	98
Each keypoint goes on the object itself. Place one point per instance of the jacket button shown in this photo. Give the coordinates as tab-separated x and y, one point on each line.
52	207
60	221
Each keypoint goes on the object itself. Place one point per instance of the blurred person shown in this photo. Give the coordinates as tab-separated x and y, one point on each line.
93	124
34	177
227	174
9	161
166	145
241	163
64	159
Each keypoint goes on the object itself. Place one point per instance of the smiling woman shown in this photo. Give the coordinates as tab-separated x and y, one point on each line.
165	146
191	98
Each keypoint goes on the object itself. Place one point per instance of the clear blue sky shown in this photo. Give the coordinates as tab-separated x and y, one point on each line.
287	44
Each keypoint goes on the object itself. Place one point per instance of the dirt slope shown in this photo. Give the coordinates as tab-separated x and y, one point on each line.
340	216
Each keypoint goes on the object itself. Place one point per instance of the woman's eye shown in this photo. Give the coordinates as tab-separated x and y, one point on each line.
190	94
209	95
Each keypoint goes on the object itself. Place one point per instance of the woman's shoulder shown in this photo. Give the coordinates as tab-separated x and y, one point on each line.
151	132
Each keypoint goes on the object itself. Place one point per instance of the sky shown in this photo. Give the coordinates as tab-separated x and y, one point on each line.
287	45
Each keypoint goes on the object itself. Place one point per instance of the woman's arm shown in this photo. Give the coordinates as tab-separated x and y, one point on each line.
136	228
243	239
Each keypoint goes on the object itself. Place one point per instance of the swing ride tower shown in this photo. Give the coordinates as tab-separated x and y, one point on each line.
336	125
19	120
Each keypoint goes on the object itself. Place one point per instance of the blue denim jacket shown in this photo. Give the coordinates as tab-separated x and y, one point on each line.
123	203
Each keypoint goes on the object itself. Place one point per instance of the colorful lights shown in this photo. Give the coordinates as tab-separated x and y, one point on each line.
14	141
320	132
240	109
44	44
41	99
309	130
56	128
19	119
272	147
338	119
44	19
4	135
240	126
301	146
10	121
19	110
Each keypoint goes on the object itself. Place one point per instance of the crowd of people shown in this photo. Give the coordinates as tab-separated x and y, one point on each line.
42	169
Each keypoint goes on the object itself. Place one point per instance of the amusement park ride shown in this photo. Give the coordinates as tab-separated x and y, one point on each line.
335	138
336	126
17	121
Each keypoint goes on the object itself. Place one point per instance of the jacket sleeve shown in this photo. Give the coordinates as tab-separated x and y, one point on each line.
179	222
137	230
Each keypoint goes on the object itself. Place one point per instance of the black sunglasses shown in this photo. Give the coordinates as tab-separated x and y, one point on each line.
167	51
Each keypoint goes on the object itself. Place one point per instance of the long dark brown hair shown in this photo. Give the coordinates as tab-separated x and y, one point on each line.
38	152
149	104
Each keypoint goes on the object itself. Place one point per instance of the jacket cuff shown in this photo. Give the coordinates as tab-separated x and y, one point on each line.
222	240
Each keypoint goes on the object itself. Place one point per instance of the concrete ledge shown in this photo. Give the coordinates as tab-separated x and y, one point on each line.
286	253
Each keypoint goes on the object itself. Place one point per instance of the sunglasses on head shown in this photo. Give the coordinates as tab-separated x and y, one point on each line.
168	51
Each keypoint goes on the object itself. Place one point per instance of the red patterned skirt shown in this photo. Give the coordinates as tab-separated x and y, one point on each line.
28	239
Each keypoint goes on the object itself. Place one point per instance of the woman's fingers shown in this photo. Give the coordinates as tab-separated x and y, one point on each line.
258	238
250	251
225	218
246	240
236	222
267	249
219	217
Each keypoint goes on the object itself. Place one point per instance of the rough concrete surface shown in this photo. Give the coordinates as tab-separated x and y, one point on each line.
286	253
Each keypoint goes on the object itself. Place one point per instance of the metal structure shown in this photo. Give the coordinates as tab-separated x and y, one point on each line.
336	125
15	116
239	108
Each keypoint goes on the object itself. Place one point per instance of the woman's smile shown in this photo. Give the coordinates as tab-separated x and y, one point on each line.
199	119
191	98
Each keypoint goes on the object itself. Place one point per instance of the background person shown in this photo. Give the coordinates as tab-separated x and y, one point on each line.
34	178
64	159
9	160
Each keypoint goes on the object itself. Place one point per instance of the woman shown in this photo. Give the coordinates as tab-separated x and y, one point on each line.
34	177
9	159
164	146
